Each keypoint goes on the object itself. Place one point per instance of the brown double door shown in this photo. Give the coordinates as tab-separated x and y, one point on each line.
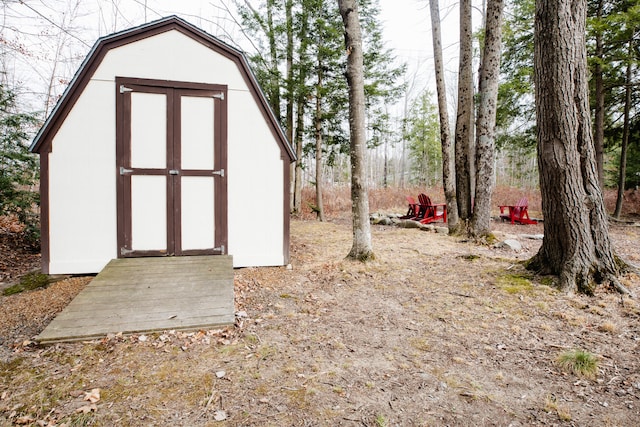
171	161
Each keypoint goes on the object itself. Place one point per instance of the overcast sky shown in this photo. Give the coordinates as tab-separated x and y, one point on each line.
35	27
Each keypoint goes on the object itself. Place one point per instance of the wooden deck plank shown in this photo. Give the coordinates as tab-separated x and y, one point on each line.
147	310
106	301
80	334
121	318
137	295
138	288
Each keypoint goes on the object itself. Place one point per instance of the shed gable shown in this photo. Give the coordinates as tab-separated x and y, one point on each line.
162	28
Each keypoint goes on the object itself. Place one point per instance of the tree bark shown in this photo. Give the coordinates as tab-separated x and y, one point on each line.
464	122
448	169
301	99
576	245
362	247
598	78
318	129
297	191
486	122
290	97
622	171
290	82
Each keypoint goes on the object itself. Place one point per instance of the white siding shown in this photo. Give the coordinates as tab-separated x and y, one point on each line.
170	56
82	185
255	186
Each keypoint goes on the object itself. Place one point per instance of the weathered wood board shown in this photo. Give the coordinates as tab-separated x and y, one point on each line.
135	295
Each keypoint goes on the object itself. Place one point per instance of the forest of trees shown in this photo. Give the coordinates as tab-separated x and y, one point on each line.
297	52
484	132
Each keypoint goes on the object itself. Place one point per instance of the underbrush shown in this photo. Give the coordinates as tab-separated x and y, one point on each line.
337	200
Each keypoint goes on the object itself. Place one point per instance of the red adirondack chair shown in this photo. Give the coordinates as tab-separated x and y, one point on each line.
429	212
413	210
517	213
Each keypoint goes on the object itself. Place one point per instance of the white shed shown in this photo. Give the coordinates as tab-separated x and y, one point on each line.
163	145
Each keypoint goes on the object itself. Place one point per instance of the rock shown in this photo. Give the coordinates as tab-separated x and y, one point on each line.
533	236
442	230
407	223
380	219
512	244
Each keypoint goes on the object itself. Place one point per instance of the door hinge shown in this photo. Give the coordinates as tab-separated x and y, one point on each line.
125	251
221	249
220	172
219	96
124	89
124	171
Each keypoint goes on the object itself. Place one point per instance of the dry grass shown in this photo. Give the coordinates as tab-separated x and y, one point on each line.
435	331
337	200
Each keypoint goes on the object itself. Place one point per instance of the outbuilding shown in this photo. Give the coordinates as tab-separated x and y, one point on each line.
163	145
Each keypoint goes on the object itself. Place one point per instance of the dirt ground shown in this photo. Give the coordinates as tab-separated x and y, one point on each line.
435	332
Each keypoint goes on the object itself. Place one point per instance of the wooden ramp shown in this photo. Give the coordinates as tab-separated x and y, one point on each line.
136	295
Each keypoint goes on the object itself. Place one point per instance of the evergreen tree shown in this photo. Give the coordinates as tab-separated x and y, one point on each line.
18	167
423	136
515	120
315	84
612	24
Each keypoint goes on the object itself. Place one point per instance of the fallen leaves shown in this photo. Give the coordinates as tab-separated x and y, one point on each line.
220	415
87	409
181	339
27	419
92	396
18	257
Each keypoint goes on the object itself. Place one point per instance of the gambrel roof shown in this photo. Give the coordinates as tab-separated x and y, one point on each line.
42	141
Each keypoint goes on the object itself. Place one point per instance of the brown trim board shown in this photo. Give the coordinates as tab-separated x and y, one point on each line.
45	251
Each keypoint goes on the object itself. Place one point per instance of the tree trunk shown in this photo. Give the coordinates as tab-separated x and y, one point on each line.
486	123
297	191
448	169
362	248
290	82
464	122
301	100
385	172
576	244
598	128
290	97
622	173
318	129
